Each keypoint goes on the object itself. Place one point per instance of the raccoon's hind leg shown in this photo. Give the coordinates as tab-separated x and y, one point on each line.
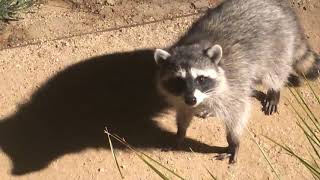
183	118
294	80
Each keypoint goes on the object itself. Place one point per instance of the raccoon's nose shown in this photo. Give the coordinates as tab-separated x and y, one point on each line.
190	100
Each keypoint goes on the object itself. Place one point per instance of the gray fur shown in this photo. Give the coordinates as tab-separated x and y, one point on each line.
262	42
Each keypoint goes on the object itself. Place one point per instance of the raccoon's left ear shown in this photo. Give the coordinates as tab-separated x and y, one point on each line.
161	55
215	53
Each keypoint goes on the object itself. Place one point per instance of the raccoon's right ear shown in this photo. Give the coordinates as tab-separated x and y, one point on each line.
161	55
215	53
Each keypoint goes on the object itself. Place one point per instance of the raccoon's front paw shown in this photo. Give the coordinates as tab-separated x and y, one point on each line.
271	101
233	151
269	107
203	114
176	144
231	154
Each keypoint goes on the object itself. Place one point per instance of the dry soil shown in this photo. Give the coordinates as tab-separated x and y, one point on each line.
70	68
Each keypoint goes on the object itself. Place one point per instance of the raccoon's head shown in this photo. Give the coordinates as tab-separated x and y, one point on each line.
190	74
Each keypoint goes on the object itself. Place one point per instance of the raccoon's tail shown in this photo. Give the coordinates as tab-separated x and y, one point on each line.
307	66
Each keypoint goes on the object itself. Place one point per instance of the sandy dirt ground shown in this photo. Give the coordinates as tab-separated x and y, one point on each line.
68	70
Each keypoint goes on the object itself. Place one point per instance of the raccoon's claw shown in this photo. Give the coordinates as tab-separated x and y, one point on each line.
270	108
222	156
271	101
233	151
232	154
167	149
179	140
176	144
203	114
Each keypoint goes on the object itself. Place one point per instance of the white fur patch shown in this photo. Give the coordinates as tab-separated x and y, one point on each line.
223	85
211	73
182	73
199	96
160	54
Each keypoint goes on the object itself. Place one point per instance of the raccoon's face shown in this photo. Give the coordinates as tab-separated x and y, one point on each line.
190	74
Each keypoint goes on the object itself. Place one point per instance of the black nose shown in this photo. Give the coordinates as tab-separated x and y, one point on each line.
190	100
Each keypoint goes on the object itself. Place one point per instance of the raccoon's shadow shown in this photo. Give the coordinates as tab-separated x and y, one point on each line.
69	112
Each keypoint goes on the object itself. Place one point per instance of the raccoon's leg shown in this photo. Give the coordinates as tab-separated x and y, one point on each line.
234	127
234	131
183	118
274	81
233	146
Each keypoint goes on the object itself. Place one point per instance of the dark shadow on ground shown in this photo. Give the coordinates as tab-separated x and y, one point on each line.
69	112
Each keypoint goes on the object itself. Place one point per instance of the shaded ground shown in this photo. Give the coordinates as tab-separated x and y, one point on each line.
57	96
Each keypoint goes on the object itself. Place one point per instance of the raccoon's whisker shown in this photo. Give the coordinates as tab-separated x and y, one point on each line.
208	91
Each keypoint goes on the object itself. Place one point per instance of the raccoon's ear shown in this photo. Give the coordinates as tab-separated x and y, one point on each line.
160	55
215	53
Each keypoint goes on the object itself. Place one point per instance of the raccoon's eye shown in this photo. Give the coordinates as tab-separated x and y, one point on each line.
175	85
201	79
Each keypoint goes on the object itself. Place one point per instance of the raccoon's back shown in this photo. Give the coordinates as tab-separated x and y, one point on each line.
252	33
251	23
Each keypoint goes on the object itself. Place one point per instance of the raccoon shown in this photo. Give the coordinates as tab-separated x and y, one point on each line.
215	66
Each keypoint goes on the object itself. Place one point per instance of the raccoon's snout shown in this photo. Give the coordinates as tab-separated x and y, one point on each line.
190	100
194	99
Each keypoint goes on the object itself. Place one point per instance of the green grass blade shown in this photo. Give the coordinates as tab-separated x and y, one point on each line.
309	137
267	159
312	90
9	8
211	175
208	171
310	130
296	97
140	157
313	170
162	165
154	169
297	113
264	154
314	160
306	105
299	102
113	154
295	110
141	154
314	177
